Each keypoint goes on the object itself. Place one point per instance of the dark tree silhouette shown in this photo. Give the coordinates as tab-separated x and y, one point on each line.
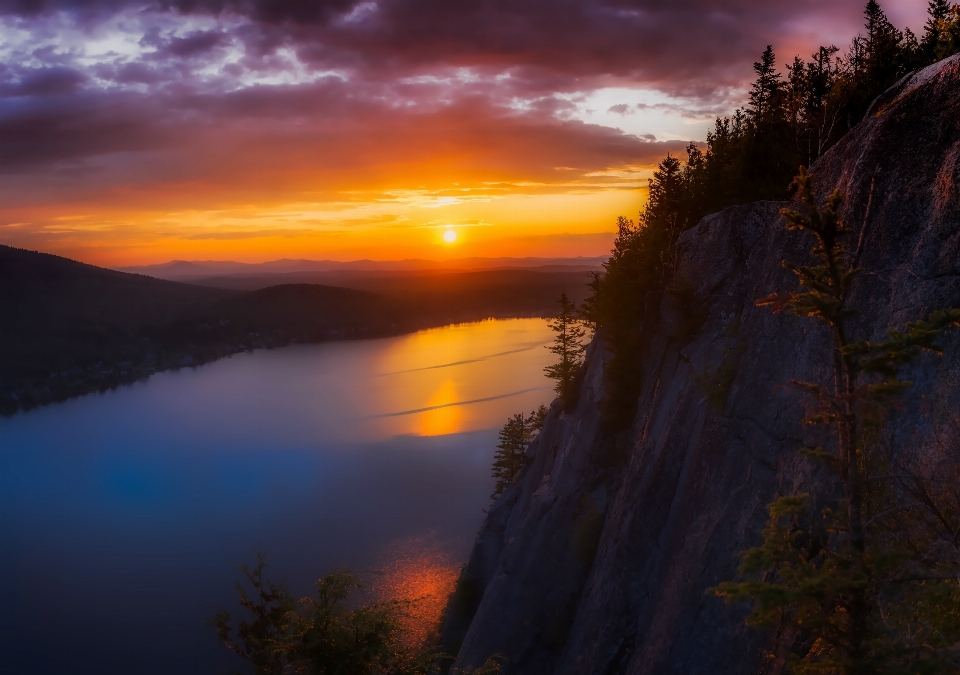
568	347
514	438
327	634
941	32
766	87
865	585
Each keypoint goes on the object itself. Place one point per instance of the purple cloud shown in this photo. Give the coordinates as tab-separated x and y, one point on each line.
172	91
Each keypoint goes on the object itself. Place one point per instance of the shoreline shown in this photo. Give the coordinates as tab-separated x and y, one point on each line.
101	377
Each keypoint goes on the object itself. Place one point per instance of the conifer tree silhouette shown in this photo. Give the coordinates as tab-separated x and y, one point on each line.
847	568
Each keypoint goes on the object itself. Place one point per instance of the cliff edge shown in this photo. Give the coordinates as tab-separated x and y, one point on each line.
597	560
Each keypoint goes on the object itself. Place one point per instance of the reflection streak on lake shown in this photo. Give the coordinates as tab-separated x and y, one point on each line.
123	516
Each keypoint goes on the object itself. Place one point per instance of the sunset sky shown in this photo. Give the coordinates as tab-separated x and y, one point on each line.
140	132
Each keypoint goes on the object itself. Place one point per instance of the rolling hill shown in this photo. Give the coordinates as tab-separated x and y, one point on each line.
68	328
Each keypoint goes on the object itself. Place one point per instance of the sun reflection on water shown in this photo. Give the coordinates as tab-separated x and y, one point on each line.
456	379
422	574
441	421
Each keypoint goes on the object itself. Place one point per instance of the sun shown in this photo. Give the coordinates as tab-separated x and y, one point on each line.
450	236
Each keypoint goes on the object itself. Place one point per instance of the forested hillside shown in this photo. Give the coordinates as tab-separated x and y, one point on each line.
67	328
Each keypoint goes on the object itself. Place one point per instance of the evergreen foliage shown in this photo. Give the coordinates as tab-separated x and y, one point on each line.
568	347
789	121
515	436
316	636
324	635
941	33
864	571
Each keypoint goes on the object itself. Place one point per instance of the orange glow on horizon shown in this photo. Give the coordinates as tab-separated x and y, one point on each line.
386	188
483	221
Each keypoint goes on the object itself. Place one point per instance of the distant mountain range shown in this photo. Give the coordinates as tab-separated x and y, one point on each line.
192	270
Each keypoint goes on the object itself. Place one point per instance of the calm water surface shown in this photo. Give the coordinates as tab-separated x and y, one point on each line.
123	516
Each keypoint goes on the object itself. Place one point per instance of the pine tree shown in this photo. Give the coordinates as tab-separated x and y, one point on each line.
767	85
508	460
514	437
886	58
811	110
536	419
941	32
849	569
937	13
769	150
568	346
278	634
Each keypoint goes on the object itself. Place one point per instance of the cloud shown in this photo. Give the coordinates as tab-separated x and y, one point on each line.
228	235
193	150
38	82
192	45
163	105
687	47
60	130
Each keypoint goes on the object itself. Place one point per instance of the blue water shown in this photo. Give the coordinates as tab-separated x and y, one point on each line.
124	515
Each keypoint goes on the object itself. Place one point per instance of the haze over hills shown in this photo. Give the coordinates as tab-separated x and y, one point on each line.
182	270
67	328
401	282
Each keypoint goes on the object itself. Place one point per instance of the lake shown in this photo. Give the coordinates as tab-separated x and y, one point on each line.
124	515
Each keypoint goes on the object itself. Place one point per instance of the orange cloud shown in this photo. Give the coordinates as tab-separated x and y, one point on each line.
368	184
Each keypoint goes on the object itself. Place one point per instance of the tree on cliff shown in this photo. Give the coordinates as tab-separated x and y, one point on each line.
514	437
864	571
941	33
568	346
640	265
749	156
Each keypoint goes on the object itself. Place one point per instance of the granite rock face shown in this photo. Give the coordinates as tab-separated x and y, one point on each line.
597	560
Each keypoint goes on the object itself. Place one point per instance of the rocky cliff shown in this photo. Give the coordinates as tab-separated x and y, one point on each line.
597	560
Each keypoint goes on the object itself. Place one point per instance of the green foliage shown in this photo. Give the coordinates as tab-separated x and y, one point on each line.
537	417
866	570
515	436
262	639
568	347
321	635
941	34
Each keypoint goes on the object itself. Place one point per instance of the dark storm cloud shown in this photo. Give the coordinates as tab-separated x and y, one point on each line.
272	11
690	46
303	138
62	129
192	45
40	81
